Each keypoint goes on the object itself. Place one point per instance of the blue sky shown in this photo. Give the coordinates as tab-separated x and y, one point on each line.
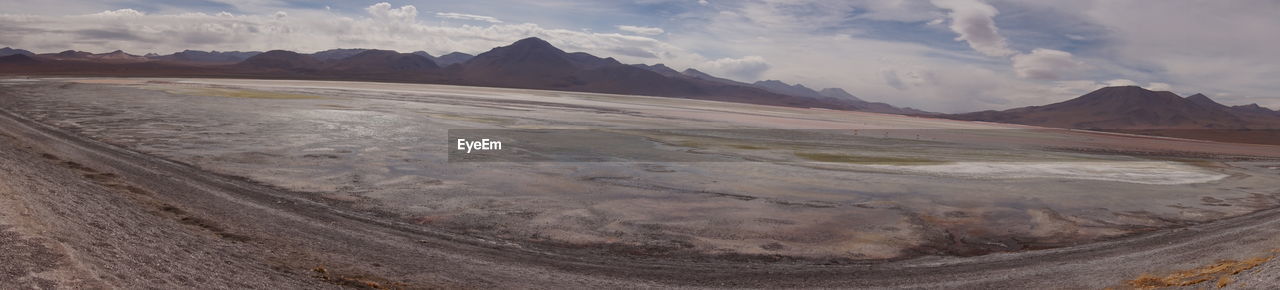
942	55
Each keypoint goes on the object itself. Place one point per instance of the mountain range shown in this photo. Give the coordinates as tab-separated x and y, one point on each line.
12	51
529	63
532	63
1132	109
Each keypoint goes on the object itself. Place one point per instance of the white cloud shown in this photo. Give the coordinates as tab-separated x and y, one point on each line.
383	27
383	10
1120	83
975	22
1231	54
119	13
703	2
1158	86
1046	64
472	17
744	69
642	30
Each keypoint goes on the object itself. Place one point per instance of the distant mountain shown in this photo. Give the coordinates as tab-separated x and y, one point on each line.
837	93
660	69
119	56
528	63
17	59
446	60
424	54
1251	110
197	56
1255	109
281	60
780	87
68	54
336	54
587	61
452	58
1205	101
696	74
110	57
12	51
1127	107
383	61
534	63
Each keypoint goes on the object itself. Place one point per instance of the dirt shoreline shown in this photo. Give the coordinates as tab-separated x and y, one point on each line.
187	209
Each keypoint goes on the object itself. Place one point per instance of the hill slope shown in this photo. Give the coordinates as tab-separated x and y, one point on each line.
1127	107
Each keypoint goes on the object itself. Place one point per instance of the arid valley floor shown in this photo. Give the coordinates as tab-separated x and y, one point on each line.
264	183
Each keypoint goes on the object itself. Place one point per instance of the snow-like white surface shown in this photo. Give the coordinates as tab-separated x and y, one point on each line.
1143	172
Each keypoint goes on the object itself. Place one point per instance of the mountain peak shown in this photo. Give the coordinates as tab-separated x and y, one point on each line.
378	60
1123	107
659	68
1122	89
10	51
452	58
1201	99
281	59
779	87
533	41
1255	109
771	83
456	54
337	54
533	44
837	93
694	73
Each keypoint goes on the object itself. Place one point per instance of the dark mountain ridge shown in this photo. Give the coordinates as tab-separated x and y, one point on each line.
1126	107
6	51
1135	110
530	63
197	56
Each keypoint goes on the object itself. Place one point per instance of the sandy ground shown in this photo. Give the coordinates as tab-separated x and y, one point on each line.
210	226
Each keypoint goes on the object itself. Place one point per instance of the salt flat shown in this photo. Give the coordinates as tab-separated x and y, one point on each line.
939	187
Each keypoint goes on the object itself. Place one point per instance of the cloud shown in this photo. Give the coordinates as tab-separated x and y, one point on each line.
380	26
744	69
898	10
642	30
1158	86
1120	83
119	13
891	79
703	2
975	22
472	17
383	10
1046	64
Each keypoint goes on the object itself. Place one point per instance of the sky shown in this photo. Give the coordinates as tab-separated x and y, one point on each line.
938	55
